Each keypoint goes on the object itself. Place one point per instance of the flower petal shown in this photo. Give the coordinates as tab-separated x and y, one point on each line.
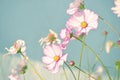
57	50
48	51
51	66
47	60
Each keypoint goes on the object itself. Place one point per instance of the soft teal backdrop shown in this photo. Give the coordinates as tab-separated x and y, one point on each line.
31	19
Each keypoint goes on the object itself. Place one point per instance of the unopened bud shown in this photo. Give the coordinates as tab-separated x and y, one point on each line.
118	42
105	33
71	63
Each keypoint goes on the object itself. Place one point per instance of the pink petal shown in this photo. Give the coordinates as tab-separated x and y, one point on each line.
51	66
56	68
57	50
64	57
47	60
63	33
48	51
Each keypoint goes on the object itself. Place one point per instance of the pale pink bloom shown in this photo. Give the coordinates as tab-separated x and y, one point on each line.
20	69
53	57
14	77
51	38
108	46
74	6
83	22
19	45
65	35
116	8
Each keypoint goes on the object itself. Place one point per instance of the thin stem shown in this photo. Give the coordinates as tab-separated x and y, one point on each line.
80	61
88	63
40	77
23	77
118	76
106	70
101	49
94	64
110	26
84	72
65	73
71	70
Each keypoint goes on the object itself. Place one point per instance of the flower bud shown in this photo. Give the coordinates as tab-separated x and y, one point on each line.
71	63
118	42
105	33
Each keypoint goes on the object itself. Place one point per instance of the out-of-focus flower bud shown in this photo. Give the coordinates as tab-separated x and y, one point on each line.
71	63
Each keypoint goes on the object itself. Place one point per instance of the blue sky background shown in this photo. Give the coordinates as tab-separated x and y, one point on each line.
31	19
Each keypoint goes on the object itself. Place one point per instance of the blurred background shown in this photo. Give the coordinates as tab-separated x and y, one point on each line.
30	20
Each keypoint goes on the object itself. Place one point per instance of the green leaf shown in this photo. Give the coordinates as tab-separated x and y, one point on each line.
117	65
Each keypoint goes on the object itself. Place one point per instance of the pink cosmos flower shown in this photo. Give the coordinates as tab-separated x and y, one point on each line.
74	6
116	9
53	57
65	35
19	46
51	38
20	69
14	75
83	22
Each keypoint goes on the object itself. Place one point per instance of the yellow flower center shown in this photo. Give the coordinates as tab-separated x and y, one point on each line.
51	37
84	24
56	58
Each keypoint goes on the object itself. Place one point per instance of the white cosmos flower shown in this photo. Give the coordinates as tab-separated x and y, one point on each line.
51	38
116	8
18	46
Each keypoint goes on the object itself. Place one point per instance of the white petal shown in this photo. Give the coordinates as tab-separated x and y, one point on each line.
23	49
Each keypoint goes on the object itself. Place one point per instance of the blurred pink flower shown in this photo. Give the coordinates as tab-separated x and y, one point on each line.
65	35
83	22
74	6
116	8
51	38
14	77
19	46
53	57
20	69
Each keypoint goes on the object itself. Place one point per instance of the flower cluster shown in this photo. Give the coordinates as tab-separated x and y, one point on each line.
81	21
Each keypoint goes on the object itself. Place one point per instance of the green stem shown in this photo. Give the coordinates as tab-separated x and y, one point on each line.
101	49
118	76
106	70
65	73
88	63
84	72
80	61
110	26
23	77
71	70
94	64
40	77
